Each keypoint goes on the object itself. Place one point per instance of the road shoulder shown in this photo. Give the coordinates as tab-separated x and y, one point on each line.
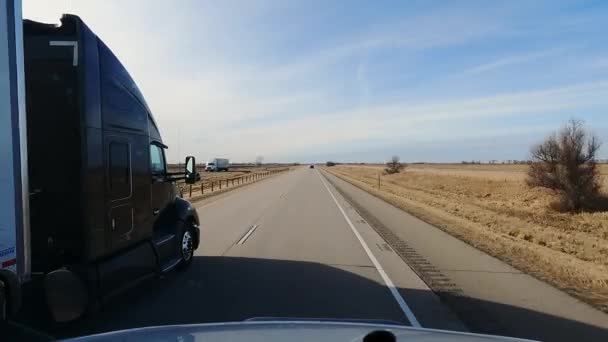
428	309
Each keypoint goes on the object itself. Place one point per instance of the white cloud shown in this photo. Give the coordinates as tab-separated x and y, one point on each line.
601	63
410	123
442	28
514	60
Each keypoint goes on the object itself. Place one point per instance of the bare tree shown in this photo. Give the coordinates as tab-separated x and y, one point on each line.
565	162
259	160
394	166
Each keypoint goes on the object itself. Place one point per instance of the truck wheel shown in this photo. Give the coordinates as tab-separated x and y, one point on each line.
186	246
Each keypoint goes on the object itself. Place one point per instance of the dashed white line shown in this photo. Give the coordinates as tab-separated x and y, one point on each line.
389	283
244	238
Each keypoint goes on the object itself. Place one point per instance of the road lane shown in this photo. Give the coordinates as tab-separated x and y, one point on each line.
302	260
305	226
225	218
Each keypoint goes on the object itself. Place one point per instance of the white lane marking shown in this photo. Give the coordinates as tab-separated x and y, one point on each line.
73	44
389	283
242	240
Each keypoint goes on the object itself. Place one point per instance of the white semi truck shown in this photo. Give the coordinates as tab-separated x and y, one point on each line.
217	164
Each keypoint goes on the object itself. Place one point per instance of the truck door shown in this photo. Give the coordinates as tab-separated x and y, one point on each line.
120	188
161	190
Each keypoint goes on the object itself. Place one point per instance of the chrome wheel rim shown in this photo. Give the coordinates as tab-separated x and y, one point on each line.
187	249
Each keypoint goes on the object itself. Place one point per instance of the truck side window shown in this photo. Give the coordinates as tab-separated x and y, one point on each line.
120	170
157	160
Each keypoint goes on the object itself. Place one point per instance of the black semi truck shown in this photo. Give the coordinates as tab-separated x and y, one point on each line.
104	212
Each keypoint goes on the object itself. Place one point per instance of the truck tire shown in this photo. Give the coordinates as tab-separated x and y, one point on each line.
186	246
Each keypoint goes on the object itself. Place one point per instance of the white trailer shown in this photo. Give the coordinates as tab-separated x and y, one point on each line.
14	196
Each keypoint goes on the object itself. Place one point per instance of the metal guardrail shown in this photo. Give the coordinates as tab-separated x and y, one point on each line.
217	184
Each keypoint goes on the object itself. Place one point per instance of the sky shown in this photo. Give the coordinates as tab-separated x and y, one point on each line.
357	81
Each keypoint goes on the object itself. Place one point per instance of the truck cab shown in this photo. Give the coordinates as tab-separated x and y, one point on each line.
210	166
104	210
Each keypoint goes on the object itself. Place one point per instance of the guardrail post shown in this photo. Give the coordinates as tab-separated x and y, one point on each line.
190	190
202	188
220	181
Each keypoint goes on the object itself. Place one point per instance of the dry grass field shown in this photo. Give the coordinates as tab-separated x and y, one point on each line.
490	207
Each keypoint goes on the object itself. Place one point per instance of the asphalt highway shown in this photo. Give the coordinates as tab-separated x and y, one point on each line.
305	244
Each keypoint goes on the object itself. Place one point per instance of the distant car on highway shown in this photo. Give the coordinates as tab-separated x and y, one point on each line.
312	166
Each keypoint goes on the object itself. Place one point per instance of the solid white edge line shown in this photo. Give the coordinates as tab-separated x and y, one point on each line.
389	283
244	238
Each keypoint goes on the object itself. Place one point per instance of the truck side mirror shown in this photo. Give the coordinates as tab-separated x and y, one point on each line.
191	174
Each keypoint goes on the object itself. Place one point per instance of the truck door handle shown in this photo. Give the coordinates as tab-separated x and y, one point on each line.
155	211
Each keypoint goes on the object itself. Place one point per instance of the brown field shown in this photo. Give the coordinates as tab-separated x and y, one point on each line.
490	207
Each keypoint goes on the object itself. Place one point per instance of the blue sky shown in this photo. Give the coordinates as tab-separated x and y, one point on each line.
358	80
